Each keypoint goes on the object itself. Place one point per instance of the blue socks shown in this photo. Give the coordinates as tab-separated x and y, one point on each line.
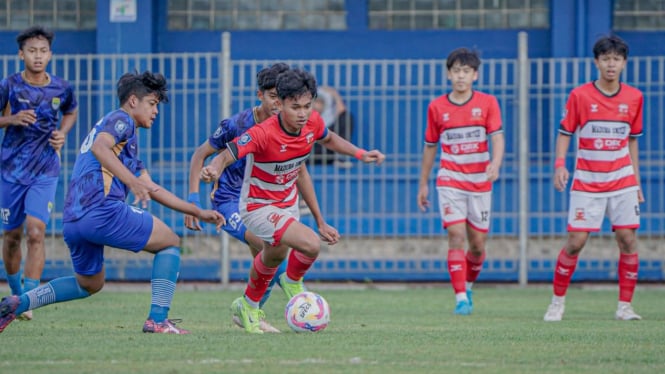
165	268
280	270
30	284
14	281
55	291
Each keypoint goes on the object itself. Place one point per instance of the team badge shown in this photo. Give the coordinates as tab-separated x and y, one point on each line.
55	103
218	133
120	127
309	137
579	214
244	139
447	210
623	108
50	207
476	112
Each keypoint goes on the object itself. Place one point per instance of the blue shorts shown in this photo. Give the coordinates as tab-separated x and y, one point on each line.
18	201
234	225
114	224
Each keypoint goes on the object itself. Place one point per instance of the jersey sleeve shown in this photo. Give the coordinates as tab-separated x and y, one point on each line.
432	131
570	119
493	117
249	142
227	131
70	104
636	127
119	127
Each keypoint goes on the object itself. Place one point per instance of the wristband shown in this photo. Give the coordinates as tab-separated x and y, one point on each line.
559	163
194	198
359	153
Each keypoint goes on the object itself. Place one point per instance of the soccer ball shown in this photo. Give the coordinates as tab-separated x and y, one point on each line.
307	312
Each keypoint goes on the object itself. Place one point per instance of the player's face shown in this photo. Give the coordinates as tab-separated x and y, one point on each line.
296	112
144	111
35	54
270	104
610	66
462	77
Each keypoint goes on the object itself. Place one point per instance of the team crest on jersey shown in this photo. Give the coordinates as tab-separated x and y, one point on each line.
55	103
476	112
244	139
454	148
120	127
594	108
309	137
579	214
623	109
217	133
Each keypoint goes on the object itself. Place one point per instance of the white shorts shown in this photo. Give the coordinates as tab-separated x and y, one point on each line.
269	223
586	212
457	206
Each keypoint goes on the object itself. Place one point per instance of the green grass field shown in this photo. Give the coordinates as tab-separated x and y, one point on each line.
409	329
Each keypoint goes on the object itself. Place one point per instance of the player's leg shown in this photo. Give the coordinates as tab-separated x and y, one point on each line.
479	209
624	213
12	207
585	215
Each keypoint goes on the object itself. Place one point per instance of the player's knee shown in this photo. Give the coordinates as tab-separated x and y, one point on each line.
12	239
627	243
35	236
311	247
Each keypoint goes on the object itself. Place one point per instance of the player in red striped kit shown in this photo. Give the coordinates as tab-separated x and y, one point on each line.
462	122
607	116
275	151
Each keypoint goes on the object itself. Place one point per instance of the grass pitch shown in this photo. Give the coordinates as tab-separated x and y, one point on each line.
395	329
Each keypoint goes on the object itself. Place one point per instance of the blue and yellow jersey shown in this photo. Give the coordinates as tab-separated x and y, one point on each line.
230	182
92	184
26	153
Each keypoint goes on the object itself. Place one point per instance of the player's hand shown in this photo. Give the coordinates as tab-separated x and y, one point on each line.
423	202
24	118
212	216
192	223
640	196
373	156
209	174
561	178
329	234
492	172
141	191
57	140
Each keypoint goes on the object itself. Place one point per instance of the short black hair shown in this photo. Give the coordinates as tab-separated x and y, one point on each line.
267	77
34	32
293	83
141	85
610	44
464	57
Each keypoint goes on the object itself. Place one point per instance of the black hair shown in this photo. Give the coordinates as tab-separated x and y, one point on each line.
293	83
267	77
34	32
464	57
610	44
141	85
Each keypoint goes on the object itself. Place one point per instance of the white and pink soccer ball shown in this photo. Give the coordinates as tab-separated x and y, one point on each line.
307	312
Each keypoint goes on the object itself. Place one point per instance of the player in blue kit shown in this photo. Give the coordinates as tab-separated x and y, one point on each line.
226	192
96	213
33	102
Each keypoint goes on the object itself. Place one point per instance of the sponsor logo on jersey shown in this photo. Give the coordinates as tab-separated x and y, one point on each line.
446	117
244	139
282	148
594	108
55	103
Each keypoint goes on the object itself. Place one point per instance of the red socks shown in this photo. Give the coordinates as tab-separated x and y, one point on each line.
628	266
256	287
298	265
457	269
474	264
565	267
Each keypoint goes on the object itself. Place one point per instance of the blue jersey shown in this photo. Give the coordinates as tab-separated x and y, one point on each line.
91	184
230	182
26	153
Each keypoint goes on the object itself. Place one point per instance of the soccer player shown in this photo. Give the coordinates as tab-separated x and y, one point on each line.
463	121
96	214
275	150
32	101
607	117
226	192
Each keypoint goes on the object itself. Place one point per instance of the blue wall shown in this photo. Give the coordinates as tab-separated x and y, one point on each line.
575	24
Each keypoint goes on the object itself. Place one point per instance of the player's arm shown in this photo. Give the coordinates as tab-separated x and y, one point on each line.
633	150
429	153
560	172
328	233
498	149
195	165
57	138
212	172
168	199
338	144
